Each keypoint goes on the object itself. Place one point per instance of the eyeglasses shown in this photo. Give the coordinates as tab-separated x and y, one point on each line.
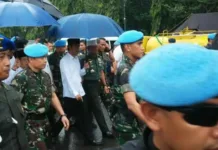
205	115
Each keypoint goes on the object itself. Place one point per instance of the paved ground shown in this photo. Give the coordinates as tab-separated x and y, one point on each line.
73	140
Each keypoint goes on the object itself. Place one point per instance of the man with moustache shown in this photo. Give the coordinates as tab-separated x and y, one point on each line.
36	86
12	117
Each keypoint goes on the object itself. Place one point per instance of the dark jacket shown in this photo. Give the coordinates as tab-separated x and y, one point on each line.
12	134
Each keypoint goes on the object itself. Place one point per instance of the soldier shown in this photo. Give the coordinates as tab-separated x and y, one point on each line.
83	48
211	38
125	122
12	117
94	76
178	83
107	56
54	63
20	59
36	86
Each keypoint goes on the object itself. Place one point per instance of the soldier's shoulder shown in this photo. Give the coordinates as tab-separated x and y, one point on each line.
22	75
123	65
45	74
7	87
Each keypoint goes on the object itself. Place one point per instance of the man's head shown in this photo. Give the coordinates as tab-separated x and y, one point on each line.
179	83
19	54
37	39
92	47
82	46
171	40
73	46
211	37
50	46
37	56
101	44
60	46
6	47
131	44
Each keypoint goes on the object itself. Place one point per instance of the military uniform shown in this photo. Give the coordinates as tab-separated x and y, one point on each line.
81	55
91	86
37	91
108	99
125	122
12	116
54	63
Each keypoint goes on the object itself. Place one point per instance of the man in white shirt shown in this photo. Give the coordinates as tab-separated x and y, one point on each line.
73	92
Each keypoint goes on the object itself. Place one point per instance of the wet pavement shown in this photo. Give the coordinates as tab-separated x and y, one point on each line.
73	140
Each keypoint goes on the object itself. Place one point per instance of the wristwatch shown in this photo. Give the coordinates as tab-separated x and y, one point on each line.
63	115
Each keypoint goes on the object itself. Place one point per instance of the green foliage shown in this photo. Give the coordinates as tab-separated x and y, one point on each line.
149	16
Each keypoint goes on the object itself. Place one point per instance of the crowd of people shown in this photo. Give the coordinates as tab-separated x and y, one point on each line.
165	100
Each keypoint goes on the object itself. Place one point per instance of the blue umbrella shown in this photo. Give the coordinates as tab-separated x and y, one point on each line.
44	4
85	25
14	14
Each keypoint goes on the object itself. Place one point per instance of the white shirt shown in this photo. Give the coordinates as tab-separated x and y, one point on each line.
71	76
118	54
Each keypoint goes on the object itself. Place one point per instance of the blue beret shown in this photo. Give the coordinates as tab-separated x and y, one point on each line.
129	37
6	44
212	36
36	50
176	75
60	43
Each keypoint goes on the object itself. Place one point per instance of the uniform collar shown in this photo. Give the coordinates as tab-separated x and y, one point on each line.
128	60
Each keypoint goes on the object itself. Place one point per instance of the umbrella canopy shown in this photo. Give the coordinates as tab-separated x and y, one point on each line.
44	4
85	25
201	22
14	14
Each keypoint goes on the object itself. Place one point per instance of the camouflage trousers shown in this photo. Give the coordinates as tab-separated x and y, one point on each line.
37	132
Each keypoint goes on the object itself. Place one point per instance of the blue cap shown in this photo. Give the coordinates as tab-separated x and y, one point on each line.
60	43
116	43
36	50
129	37
176	75
6	44
212	36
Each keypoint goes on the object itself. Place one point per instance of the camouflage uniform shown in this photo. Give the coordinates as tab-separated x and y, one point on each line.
37	90
81	55
108	99
125	123
54	63
91	86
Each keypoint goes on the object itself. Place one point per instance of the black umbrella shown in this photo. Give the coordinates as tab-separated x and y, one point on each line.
45	4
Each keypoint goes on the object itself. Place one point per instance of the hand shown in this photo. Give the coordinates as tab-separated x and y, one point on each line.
65	122
78	97
106	89
86	65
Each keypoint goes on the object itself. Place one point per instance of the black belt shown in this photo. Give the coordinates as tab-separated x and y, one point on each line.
36	116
